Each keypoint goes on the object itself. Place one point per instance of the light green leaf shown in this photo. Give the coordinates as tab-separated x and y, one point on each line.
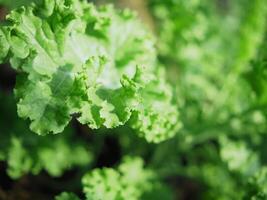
130	181
74	58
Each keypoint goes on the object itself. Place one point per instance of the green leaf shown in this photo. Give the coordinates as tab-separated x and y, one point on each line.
26	152
257	185
4	45
66	196
238	157
156	117
76	59
130	181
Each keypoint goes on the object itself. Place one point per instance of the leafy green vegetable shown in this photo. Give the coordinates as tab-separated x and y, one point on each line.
130	181
76	59
98	66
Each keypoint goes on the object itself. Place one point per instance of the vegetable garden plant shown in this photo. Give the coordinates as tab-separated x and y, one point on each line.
166	102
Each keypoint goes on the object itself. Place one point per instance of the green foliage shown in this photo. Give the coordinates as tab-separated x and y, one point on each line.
25	152
238	156
210	47
11	4
257	186
130	181
74	58
221	93
99	66
66	196
257	71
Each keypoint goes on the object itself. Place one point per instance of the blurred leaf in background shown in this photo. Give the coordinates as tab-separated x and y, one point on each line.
11	4
25	152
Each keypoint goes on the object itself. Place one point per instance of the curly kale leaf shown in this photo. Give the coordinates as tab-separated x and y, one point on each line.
74	58
130	181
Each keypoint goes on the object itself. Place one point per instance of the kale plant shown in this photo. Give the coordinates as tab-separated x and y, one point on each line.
96	106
